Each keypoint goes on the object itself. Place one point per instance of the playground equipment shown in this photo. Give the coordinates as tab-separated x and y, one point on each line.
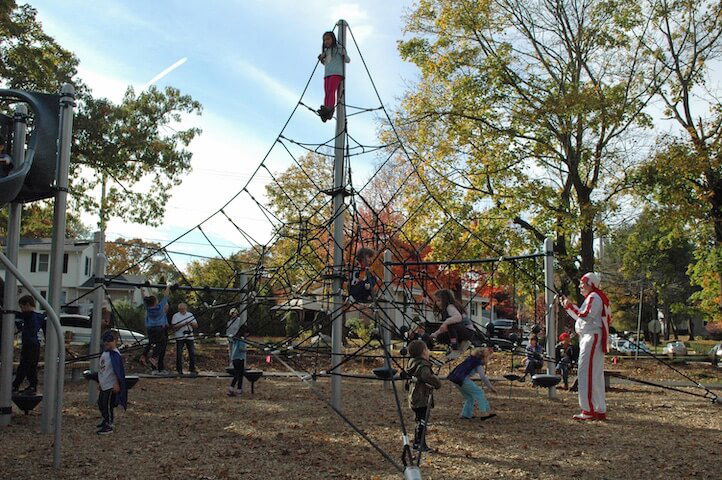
33	176
39	171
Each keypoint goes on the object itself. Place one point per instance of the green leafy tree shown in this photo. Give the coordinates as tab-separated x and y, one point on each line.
29	58
685	174
135	152
658	255
522	113
37	222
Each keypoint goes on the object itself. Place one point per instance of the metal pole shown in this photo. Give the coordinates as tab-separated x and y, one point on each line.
338	219
55	321
639	318
67	102
98	300
551	311
389	315
10	292
245	297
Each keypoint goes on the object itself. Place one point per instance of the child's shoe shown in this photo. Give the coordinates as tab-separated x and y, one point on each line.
105	430
231	392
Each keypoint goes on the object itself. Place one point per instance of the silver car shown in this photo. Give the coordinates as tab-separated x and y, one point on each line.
675	348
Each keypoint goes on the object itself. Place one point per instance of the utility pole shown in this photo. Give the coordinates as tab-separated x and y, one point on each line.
551	310
98	300
10	296
338	220
639	318
67	104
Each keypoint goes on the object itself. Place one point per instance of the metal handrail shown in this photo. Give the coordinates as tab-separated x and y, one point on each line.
55	320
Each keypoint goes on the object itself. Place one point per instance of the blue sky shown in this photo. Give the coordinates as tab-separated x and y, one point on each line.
246	61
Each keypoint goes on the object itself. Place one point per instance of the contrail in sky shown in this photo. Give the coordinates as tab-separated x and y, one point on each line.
165	72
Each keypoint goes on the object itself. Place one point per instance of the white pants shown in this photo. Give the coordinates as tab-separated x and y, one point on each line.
591	374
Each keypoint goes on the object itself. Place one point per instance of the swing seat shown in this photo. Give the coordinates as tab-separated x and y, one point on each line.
130	381
545	380
384	373
27	402
253	376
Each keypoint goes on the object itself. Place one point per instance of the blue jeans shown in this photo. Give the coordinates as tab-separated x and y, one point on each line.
472	392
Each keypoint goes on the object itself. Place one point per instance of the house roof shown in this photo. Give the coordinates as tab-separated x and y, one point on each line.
44	244
90	283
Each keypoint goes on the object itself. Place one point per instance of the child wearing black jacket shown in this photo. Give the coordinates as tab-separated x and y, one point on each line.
29	322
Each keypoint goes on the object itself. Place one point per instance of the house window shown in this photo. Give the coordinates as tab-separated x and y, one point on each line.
43	293
39	262
87	266
65	263
472	309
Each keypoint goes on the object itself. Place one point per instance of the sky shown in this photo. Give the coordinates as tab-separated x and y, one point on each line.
247	62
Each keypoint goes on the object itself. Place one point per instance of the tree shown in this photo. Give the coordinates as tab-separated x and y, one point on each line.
138	257
29	58
301	248
685	174
135	152
132	151
37	222
658	255
522	113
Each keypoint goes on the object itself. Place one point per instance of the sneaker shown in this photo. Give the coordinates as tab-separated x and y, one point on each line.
239	392
583	416
231	392
105	430
600	416
102	422
453	354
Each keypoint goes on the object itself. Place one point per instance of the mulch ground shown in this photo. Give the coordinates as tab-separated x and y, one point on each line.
187	428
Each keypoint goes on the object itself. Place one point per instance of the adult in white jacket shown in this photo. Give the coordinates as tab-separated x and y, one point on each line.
592	321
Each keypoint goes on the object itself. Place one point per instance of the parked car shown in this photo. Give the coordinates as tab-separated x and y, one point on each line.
715	355
628	347
80	327
503	328
675	348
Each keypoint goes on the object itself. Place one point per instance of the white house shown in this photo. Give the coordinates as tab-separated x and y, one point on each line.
34	263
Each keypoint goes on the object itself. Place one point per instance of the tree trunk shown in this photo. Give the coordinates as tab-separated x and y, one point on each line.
586	252
690	327
716	217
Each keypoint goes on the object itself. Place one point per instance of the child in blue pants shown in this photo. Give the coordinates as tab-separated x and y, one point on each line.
461	377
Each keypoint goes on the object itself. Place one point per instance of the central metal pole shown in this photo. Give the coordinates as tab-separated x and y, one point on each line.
388	314
338	219
51	375
98	300
10	293
551	308
639	318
